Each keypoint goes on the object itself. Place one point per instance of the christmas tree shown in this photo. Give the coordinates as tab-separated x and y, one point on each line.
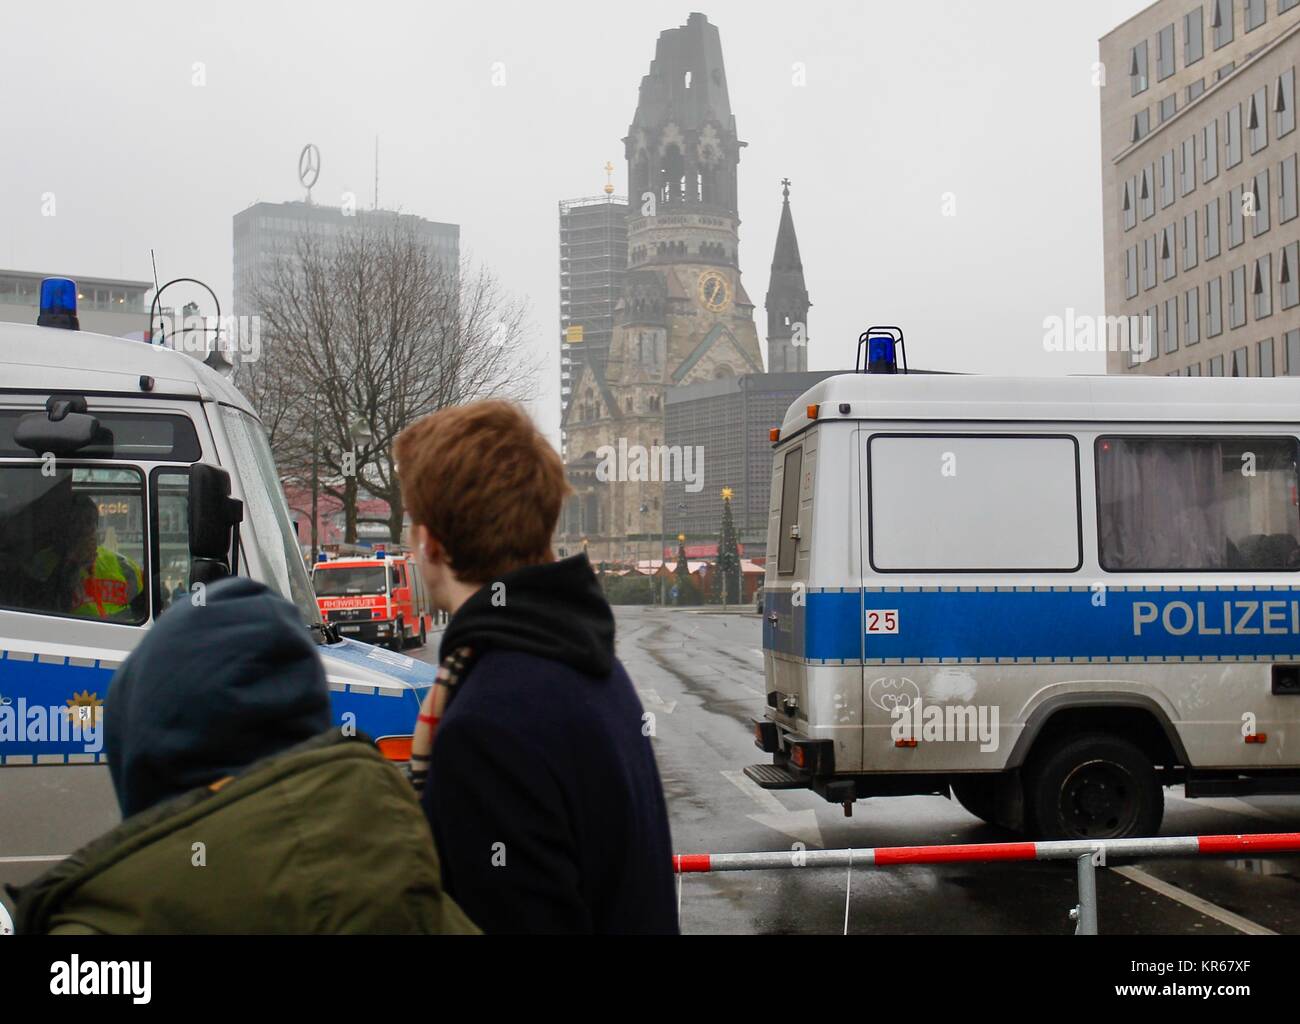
687	593
726	578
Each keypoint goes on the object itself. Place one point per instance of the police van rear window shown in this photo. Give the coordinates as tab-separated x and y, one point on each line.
135	436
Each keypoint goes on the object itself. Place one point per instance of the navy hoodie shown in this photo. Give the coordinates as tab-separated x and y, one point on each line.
543	793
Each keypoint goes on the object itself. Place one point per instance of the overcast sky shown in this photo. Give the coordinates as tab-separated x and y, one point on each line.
991	101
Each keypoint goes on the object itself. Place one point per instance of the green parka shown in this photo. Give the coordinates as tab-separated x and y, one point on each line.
324	838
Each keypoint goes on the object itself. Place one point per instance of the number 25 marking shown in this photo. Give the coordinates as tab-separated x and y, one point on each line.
882	620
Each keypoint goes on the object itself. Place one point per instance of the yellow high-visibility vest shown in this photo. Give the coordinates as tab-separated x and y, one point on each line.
108	590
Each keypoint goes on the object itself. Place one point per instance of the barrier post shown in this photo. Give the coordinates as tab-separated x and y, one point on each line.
1085	914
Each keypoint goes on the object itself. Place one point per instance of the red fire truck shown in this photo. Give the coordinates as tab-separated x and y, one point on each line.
378	599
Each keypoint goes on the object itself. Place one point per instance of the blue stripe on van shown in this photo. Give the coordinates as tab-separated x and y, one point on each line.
1136	623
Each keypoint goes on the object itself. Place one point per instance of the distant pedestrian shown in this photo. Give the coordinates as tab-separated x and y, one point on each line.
542	789
245	812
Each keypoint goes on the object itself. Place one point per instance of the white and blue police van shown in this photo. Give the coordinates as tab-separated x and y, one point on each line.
131	475
1051	598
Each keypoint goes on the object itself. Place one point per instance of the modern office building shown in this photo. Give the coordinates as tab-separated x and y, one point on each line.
265	231
728	419
105	305
593	265
1199	171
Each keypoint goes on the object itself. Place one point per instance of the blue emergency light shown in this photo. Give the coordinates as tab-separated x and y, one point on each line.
321	556
883	345
58	304
380	553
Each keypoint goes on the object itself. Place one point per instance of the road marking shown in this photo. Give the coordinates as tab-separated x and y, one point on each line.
798	825
1231	804
1187	899
650	699
33	860
765	799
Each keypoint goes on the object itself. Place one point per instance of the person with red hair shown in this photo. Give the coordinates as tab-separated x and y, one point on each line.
538	776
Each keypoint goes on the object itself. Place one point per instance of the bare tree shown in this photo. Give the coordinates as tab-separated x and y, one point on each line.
366	332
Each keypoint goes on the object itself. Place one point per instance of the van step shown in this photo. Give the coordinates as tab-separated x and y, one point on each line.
771	776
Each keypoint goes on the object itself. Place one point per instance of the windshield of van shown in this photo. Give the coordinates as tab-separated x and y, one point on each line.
267	515
343	580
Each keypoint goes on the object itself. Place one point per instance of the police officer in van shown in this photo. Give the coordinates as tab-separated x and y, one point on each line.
109	585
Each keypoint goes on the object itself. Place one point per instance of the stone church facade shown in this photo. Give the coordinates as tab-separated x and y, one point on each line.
684	315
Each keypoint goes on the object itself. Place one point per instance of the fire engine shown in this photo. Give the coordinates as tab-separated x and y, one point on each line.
378	599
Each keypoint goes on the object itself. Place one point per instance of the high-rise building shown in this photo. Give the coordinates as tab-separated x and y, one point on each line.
267	231
684	315
593	265
1199	170
105	305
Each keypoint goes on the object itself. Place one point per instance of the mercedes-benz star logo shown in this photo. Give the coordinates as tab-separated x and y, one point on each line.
308	165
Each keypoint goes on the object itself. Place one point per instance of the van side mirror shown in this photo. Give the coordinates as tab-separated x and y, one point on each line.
214	524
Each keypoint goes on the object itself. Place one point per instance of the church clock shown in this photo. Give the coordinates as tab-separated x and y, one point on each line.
715	292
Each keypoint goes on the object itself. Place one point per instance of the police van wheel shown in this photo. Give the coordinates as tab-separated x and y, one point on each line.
1094	787
979	795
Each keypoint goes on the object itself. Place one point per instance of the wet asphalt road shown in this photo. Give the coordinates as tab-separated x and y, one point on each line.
701	675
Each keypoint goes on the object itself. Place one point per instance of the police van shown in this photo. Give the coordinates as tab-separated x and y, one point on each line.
1051	598
130	475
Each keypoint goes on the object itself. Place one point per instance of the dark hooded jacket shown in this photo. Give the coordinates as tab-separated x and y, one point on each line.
543	793
244	811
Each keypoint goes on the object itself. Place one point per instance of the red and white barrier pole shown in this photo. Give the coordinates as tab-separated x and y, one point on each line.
1179	846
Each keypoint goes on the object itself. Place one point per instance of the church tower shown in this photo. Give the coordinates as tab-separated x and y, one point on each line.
787	299
684	316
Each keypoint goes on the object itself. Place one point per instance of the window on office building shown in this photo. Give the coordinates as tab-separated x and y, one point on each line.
1221	23
1193	371
1225	71
1151	331
1288	280
1264	358
1261	287
1256	14
1192	316
1168	107
1187	167
1241	362
1168	248
1291	342
1210	151
1194	37
1237	297
1257	119
1149	262
1287	207
1164	53
1284	101
1189	241
1286	5
1213	307
1147	191
1236	215
1169	327
1137	70
1232	136
1130	272
1212	229
1262	204
1215	367
1141	124
1195	89
1167	179
1129	205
